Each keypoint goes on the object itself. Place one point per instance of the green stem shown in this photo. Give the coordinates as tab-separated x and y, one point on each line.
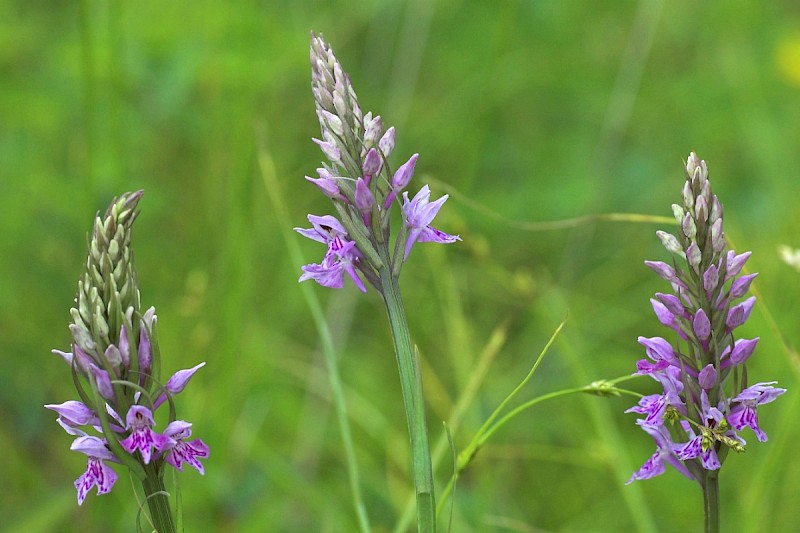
157	501
711	501
411	383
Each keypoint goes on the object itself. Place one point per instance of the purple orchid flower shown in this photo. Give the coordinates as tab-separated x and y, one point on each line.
140	421
342	255
418	213
743	413
97	472
184	450
665	451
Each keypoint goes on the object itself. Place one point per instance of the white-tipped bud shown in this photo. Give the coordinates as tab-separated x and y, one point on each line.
689	227
339	104
386	143
333	122
372	131
76	317
677	212
670	242
701	209
113	356
694	256
717	237
82	338
688	196
716	210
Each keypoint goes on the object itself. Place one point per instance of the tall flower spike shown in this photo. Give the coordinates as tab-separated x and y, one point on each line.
357	147
115	362
359	240
703	375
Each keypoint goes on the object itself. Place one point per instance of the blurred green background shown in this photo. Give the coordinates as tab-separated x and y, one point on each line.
533	111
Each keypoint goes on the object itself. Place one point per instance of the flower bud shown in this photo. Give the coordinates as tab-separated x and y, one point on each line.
735	263
677	212
671	302
707	377
372	163
701	209
694	256
386	144
701	325
689	227
739	314
710	279
741	285
670	242
329	149
403	176
372	131
743	349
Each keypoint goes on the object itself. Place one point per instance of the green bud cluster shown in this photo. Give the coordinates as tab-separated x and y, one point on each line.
108	293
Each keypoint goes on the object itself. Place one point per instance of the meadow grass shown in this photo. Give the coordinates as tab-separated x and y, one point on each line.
529	112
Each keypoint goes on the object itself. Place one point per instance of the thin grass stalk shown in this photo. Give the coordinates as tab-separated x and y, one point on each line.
488	354
276	198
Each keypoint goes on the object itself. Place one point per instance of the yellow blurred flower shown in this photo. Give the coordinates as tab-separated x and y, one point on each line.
787	59
790	256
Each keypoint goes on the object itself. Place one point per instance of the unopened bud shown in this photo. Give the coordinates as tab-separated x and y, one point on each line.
670	242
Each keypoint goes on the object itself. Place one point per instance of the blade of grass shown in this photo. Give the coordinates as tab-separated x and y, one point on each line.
493	346
277	200
581	368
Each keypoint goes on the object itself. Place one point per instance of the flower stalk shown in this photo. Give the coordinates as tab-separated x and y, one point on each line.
706	398
711	501
414	402
359	181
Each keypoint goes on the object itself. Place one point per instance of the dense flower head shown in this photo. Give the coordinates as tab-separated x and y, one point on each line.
359	179
702	373
115	362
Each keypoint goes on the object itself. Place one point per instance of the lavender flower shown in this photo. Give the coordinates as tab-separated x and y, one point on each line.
703	374
114	363
358	179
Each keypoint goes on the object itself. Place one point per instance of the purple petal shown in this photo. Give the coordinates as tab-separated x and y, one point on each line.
741	285
372	163
662	269
183	451
92	447
671	302
742	350
658	349
328	187
403	176
103	382
708	377
701	325
97	474
710	278
179	379
739	314
735	263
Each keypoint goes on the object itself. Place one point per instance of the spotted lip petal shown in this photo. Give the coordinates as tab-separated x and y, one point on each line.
183	451
140	421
